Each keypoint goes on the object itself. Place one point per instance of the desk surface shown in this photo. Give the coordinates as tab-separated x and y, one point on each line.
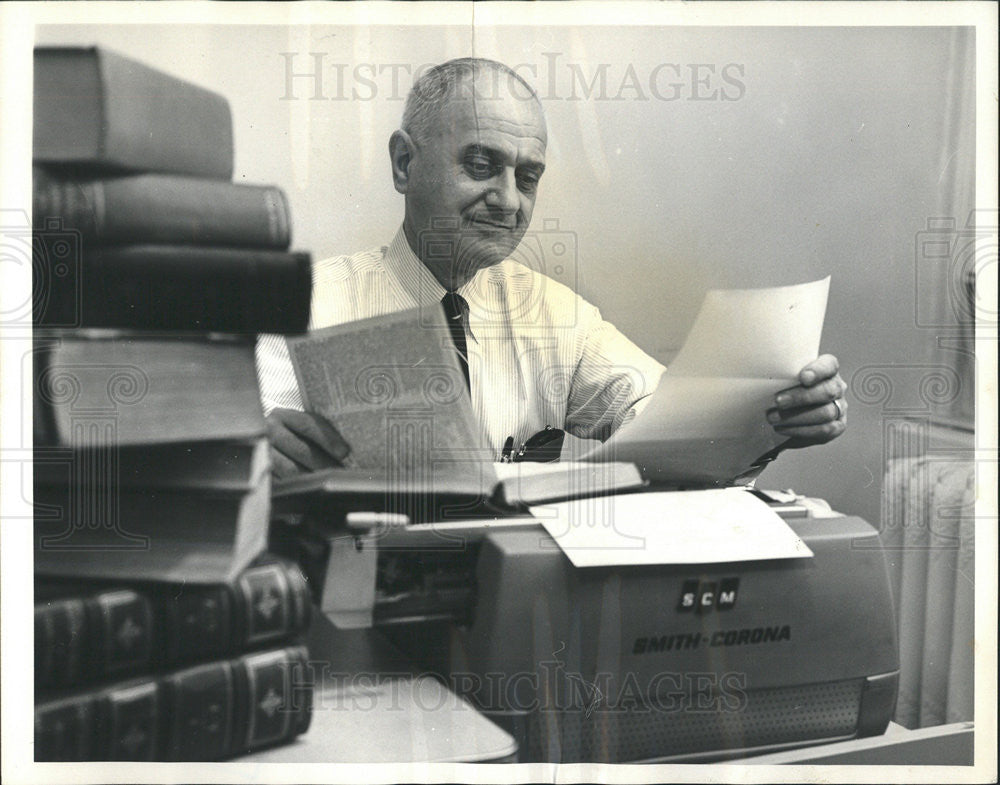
371	705
942	745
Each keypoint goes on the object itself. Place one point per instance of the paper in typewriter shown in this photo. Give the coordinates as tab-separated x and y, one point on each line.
680	527
706	424
392	387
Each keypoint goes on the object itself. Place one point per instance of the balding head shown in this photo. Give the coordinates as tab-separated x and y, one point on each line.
466	77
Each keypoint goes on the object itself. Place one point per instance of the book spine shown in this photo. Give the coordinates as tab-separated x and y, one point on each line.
163	209
233	466
98	108
196	288
80	638
267	604
60	642
122	632
207	712
44	428
278	693
272	601
64	729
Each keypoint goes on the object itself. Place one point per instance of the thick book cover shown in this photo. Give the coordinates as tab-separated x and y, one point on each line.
208	466
172	287
212	711
104	389
86	528
161	208
86	632
95	107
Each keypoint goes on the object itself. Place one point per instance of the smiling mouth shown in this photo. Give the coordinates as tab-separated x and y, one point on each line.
497	225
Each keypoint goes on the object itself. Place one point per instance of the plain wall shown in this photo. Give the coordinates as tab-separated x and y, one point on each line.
802	152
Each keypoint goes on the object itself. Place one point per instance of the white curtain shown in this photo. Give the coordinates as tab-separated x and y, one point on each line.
929	490
930	534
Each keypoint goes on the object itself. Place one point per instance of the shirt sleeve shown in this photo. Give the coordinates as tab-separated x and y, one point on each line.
611	377
279	389
278	386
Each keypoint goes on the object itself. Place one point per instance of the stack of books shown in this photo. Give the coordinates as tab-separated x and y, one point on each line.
152	274
153	671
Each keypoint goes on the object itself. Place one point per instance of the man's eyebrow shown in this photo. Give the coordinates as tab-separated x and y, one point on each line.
481	149
535	166
477	148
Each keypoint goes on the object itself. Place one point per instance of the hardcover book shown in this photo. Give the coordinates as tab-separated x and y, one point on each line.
87	632
172	287
206	712
102	388
97	108
91	531
163	209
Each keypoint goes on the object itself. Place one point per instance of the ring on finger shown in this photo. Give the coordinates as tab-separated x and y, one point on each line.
840	408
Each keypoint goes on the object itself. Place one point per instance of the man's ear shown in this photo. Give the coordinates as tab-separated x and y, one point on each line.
401	156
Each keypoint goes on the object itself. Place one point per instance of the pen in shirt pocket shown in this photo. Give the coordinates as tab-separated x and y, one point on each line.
508	448
544	447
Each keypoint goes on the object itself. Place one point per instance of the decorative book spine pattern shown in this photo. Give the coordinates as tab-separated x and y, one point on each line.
123	631
206	712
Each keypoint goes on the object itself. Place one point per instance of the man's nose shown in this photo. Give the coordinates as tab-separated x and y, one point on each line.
503	194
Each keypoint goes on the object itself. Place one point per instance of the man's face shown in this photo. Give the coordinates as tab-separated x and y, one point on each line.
476	170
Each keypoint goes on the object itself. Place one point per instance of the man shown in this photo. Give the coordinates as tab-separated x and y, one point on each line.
468	160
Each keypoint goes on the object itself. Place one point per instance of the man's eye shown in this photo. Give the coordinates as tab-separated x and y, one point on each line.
479	167
527	182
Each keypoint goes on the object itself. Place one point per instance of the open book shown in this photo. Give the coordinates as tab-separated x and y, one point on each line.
392	387
500	490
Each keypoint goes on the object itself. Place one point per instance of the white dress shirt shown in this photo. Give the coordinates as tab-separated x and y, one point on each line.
539	354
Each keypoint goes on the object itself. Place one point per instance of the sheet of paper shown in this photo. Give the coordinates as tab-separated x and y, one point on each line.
706	423
393	388
697	431
765	333
682	527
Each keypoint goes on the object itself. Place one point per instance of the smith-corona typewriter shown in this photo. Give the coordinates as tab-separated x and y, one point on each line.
632	663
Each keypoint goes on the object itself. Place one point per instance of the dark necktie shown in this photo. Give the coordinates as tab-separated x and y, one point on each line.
455	309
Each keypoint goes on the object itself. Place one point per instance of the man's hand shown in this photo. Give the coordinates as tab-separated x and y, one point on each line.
815	411
303	442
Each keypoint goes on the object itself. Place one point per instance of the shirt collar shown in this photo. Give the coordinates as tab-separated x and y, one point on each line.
424	289
404	265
